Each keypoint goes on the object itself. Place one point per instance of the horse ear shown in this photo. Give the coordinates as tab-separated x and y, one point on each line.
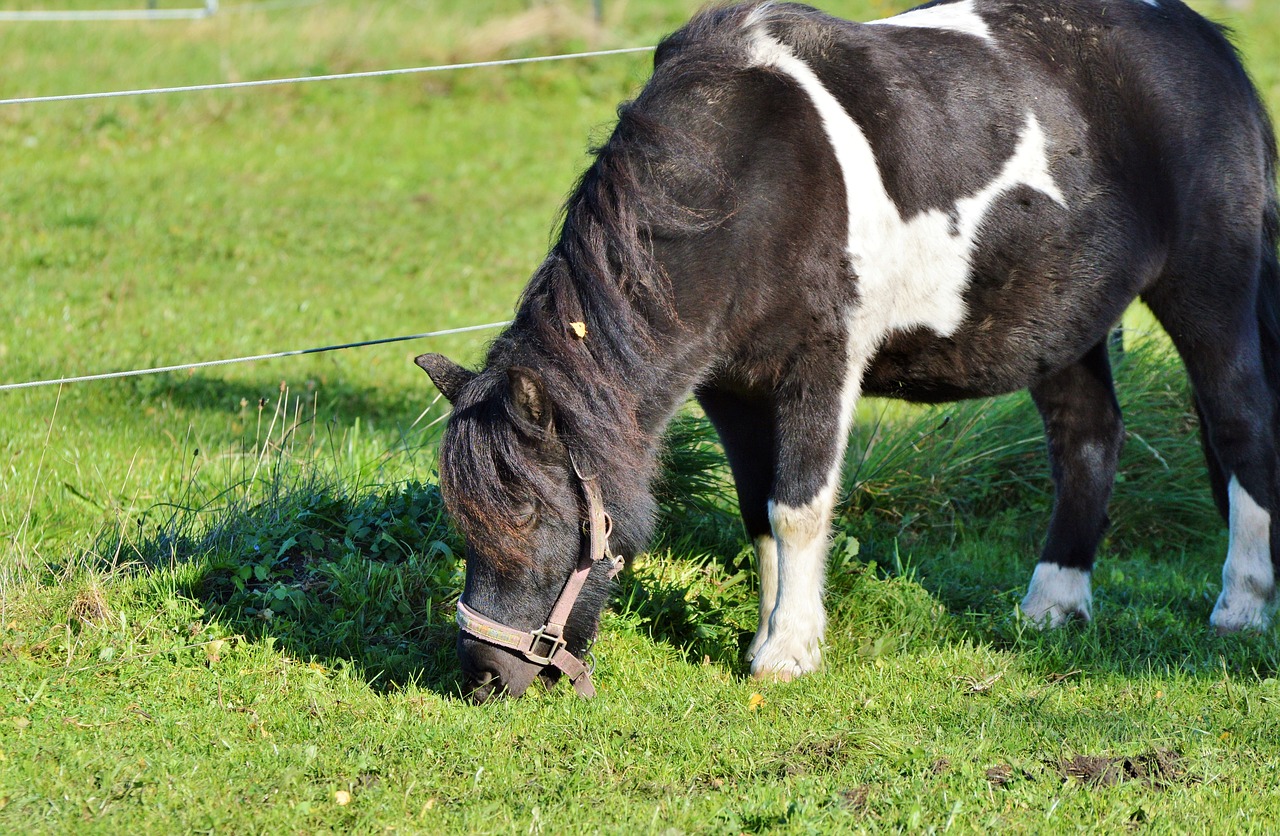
447	375
530	396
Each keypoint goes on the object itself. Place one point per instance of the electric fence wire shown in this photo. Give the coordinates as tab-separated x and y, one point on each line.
32	384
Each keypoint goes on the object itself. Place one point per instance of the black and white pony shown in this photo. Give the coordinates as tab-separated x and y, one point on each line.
798	210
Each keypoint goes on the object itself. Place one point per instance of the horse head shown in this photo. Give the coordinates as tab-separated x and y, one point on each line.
538	561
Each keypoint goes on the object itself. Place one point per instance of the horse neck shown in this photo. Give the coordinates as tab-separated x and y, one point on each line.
668	367
618	402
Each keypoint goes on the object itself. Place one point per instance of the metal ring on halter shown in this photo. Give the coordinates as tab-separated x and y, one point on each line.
608	528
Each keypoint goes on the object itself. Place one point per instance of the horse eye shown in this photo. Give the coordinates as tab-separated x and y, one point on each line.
526	516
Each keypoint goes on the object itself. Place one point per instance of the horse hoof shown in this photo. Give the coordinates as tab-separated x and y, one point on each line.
1057	595
1242	614
773	664
753	649
1053	617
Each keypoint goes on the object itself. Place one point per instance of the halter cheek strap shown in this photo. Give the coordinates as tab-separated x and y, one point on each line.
546	646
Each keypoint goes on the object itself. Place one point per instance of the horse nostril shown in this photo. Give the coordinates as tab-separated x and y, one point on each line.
486	686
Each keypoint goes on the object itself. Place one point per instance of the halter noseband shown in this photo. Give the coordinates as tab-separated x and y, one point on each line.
546	646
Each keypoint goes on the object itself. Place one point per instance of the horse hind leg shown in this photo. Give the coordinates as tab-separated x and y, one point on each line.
1248	575
1238	414
1235	391
1217	477
1085	433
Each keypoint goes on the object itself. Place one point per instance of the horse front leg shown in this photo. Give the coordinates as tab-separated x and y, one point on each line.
746	424
789	642
813	423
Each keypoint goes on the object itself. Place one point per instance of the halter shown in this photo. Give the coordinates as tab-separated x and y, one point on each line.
546	646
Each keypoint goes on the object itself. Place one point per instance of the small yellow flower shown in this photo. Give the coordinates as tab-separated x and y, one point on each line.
342	797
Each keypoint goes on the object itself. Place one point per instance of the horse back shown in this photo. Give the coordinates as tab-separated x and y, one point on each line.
1085	148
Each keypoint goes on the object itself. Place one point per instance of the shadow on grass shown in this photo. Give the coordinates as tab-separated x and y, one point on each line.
235	411
1150	615
365	578
957	499
948	518
368	575
704	608
317	394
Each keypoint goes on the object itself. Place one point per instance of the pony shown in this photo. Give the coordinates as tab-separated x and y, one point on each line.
798	210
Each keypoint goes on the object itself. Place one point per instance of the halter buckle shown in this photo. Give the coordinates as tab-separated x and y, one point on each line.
554	645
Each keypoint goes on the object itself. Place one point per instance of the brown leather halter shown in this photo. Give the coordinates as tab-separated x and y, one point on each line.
546	646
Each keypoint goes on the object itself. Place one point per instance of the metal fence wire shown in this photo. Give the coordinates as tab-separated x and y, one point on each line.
210	7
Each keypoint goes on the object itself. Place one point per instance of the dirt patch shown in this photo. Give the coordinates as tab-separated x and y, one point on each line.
1158	768
820	756
855	799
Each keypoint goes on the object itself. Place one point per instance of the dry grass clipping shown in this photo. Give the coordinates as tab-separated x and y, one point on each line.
552	23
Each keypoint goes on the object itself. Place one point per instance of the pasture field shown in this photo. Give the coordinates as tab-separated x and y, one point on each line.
226	596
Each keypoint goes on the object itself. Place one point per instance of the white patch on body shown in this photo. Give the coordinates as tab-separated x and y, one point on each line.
1056	595
767	560
1248	576
955	17
911	273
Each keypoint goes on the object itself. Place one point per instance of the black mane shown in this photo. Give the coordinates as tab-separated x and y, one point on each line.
600	272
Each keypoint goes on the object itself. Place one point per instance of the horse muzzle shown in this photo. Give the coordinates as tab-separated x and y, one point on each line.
498	658
501	658
491	672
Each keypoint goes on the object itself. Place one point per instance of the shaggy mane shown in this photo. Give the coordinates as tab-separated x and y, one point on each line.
600	272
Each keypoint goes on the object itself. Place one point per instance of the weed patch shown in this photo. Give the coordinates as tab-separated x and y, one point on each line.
369	578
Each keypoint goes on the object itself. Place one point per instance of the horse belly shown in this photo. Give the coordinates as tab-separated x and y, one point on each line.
922	367
1003	345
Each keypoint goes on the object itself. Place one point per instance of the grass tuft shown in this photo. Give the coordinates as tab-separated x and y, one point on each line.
89	608
950	468
696	504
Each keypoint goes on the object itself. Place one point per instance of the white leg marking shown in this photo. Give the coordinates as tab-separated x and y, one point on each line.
789	641
1248	577
767	559
911	272
798	622
956	17
1056	595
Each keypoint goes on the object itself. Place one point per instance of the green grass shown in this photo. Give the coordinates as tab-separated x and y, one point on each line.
226	597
